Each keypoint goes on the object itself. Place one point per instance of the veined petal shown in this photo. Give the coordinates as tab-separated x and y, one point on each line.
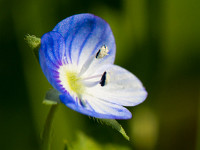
51	56
77	58
95	107
84	35
122	88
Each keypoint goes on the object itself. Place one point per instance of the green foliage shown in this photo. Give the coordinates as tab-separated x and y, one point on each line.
46	136
84	142
156	40
115	125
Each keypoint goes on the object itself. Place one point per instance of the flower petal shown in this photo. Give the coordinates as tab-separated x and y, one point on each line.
96	108
123	88
51	56
84	35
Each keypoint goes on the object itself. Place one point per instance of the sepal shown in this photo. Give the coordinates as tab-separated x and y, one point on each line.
51	97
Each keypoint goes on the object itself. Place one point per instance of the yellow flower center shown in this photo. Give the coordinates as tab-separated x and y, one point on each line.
74	83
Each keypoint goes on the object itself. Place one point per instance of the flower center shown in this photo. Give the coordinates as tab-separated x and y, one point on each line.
74	82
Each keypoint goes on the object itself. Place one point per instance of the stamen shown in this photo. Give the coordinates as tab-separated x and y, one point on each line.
91	80
90	84
103	51
85	66
92	77
103	79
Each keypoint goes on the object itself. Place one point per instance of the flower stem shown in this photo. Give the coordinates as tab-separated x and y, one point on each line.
198	128
46	136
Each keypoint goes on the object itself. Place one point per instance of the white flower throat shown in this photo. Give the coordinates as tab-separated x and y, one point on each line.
76	82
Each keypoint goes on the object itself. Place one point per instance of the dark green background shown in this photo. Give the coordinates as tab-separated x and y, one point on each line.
157	40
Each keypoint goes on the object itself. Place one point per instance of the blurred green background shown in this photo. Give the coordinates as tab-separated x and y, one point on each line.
157	40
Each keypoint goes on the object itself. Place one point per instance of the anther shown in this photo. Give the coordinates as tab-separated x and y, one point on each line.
103	51
103	79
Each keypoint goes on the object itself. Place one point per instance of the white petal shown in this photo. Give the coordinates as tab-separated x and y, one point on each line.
94	107
106	108
123	88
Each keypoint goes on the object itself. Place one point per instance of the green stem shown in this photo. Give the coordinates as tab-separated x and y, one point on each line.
34	42
46	136
198	128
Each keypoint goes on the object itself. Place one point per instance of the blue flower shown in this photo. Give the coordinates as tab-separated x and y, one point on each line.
77	58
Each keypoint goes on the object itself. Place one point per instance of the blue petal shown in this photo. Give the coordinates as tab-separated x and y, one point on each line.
101	110
84	35
51	56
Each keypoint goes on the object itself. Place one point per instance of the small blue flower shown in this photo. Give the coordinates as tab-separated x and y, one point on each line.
77	59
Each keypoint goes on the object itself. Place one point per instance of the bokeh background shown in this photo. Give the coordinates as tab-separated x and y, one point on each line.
157	40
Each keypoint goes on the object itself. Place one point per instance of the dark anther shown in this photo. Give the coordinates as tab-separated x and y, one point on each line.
98	53
103	79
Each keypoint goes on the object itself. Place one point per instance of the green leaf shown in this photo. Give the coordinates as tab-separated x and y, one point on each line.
115	125
52	97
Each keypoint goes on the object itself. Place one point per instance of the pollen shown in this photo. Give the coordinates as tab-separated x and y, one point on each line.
75	83
103	51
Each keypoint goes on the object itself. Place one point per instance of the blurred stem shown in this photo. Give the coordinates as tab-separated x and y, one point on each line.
34	43
46	136
35	51
198	129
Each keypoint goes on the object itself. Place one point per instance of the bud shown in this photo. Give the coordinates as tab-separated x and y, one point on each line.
32	41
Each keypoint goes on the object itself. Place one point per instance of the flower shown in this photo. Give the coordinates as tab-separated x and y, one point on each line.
77	58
